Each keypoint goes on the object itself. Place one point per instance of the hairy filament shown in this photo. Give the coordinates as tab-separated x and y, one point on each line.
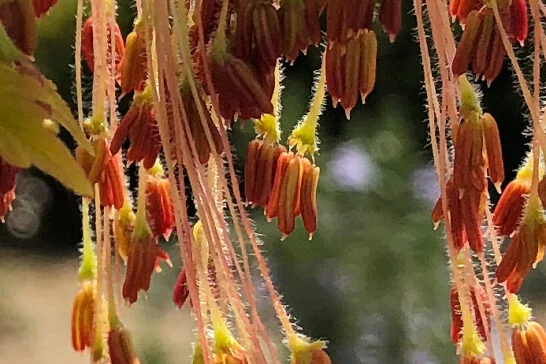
247	283
78	61
98	338
440	158
112	313
99	54
275	298
181	219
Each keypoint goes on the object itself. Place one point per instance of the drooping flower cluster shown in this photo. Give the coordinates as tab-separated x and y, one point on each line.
194	69
481	48
478	155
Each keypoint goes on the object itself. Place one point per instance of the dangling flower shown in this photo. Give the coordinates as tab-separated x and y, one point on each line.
135	67
390	16
304	352
350	69
120	346
529	344
458	232
258	34
103	169
346	19
459	9
284	200
519	21
295	184
42	6
198	134
526	247
260	163
181	291
140	125
88	47
528	337
83	316
239	93
159	206
477	295
477	146
300	26
308	197
477	151
143	257
19	21
481	43
509	209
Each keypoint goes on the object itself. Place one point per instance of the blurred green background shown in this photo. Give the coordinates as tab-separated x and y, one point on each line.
374	279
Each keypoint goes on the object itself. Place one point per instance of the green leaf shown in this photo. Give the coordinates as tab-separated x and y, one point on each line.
26	99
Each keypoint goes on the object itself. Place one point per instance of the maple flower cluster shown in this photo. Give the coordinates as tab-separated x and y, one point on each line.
194	69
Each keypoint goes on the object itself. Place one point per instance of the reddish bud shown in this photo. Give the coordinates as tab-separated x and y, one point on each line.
529	344
469	164
260	164
159	206
300	26
142	259
88	46
120	347
346	19
258	34
289	195
495	165
477	295
465	49
458	232
140	125
481	44
134	67
459	9
519	21
197	130
19	21
181	291
103	169
350	69
390	16
42	6
509	209
83	316
525	249
308	199
239	93
272	209
472	216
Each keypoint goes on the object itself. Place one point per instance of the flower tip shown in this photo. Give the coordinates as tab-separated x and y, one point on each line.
498	187
310	236
392	38
348	114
